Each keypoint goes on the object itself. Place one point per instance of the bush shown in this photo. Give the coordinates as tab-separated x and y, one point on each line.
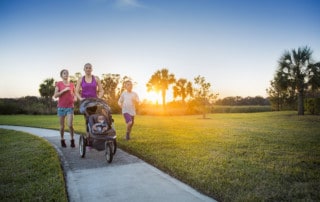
25	105
8	108
312	105
240	109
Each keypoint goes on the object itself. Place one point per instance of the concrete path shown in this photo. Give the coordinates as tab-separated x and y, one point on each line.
127	178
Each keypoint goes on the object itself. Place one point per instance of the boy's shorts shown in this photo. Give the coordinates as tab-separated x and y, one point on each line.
64	111
128	118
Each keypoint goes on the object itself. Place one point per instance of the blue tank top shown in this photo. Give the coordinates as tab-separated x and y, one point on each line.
89	90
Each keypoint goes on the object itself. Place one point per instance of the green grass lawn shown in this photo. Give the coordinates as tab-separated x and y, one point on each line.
30	169
273	156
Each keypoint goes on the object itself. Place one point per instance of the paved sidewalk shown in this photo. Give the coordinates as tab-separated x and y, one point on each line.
127	178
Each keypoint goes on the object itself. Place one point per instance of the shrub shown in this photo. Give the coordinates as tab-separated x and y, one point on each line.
312	105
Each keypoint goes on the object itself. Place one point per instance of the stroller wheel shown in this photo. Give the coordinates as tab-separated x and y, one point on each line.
82	146
109	151
114	146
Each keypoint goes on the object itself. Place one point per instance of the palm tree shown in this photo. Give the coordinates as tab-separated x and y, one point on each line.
46	90
159	82
182	89
295	69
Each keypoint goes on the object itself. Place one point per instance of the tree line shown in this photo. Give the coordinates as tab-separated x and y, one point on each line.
199	91
197	96
243	101
296	85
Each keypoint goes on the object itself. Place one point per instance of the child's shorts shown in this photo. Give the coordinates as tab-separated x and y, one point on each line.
64	111
128	118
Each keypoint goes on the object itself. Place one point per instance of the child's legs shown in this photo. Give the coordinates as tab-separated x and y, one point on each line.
62	115
129	127
70	124
61	121
129	121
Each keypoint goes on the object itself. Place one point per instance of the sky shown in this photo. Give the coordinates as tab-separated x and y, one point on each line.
234	44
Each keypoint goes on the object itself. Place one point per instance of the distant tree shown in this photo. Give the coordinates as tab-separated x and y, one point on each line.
297	72
183	89
110	84
238	101
203	94
281	95
274	96
46	91
74	78
160	82
229	101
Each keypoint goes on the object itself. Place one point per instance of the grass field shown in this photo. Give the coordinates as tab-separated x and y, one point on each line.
270	156
30	169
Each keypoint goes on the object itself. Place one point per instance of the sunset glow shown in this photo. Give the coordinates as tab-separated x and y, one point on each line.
153	97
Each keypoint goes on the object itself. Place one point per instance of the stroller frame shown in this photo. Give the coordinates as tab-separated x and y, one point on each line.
92	107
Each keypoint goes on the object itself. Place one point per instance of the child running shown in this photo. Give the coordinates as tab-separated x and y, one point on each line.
127	101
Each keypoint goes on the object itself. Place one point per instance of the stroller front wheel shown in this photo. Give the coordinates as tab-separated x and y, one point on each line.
114	149
109	151
82	146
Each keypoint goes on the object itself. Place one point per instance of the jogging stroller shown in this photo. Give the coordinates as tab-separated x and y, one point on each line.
98	139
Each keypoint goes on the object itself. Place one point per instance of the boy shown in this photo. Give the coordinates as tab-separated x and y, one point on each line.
127	102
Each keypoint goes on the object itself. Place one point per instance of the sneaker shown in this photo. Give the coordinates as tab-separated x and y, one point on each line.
72	143
63	143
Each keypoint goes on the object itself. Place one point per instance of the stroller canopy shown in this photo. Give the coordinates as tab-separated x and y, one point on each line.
94	102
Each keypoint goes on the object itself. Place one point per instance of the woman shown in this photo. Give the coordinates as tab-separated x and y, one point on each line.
90	87
64	90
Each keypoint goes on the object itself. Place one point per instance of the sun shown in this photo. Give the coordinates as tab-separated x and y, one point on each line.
153	97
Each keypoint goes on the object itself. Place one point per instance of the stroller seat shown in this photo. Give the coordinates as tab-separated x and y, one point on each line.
101	128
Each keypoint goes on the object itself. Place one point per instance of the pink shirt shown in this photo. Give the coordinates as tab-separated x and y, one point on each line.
66	100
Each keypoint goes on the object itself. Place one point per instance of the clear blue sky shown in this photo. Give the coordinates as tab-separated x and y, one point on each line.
234	44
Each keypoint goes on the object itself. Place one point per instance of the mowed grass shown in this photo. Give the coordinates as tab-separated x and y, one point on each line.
30	169
272	156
